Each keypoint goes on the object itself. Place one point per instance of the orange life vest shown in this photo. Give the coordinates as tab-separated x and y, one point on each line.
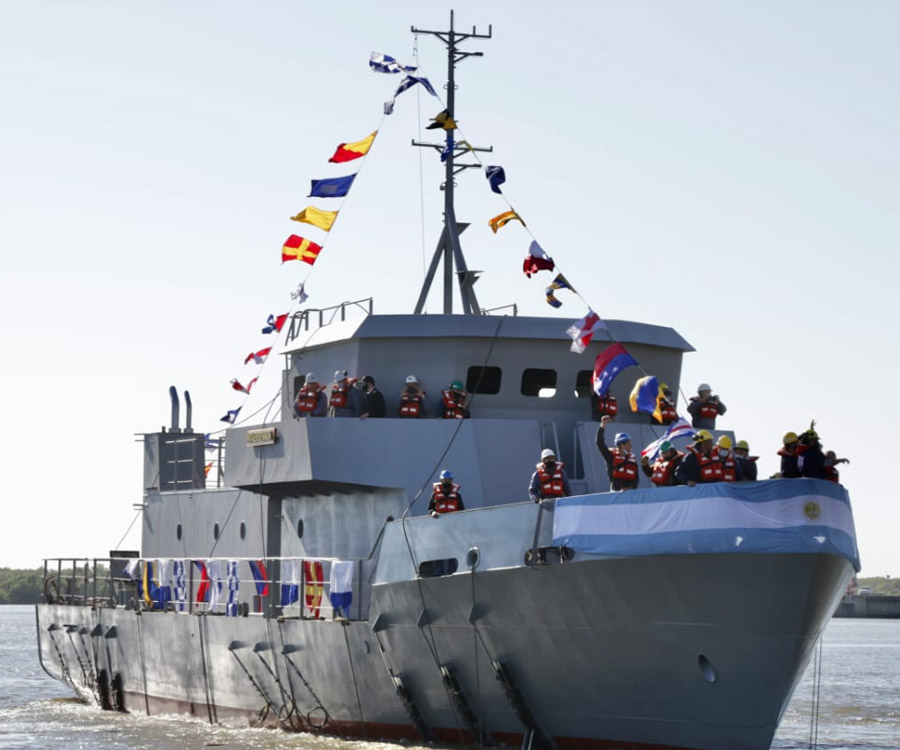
551	482
410	406
307	399
709	410
624	467
727	462
667	411
446	501
607	405
340	394
664	470
710	468
453	405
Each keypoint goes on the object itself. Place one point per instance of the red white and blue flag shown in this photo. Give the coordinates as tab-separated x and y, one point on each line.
609	363
274	323
258	357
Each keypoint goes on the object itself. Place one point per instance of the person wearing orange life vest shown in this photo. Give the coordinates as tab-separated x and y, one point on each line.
603	406
346	400
311	400
454	402
662	470
732	471
549	481
666	406
412	399
698	465
445	497
704	408
831	461
621	464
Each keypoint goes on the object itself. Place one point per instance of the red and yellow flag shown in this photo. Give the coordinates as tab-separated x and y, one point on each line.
298	248
351	151
314	585
503	219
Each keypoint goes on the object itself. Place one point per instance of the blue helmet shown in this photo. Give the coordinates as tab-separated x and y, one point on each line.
622	437
446	474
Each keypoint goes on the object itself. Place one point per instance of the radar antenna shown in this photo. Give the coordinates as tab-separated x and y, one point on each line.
448	247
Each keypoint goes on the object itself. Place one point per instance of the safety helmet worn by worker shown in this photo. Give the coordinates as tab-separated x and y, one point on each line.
446	474
789	437
339	375
742	445
311	377
547	453
622	437
724	442
411	379
704	387
702	436
456	385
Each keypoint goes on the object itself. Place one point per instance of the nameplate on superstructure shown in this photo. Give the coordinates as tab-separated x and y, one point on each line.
264	436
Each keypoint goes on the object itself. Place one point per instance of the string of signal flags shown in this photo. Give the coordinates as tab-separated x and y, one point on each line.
646	395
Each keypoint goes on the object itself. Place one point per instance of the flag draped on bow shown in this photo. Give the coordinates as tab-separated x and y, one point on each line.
609	363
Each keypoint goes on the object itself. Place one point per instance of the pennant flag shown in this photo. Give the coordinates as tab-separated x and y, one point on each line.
351	151
299	248
203	587
312	591
258	357
214	568
448	149
164	578
260	577
609	363
583	330
148	584
678	429
380	63
133	570
178	584
212	444
236	384
333	187
274	323
496	177
537	260
645	396
560	282
230	415
442	120
300	295
206	469
503	219
407	83
290	582
340	587
322	219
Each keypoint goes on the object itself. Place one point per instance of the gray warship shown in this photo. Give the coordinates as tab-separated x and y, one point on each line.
677	617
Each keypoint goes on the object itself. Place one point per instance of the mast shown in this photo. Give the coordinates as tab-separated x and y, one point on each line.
448	248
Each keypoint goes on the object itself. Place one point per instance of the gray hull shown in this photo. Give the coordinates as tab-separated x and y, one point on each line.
698	651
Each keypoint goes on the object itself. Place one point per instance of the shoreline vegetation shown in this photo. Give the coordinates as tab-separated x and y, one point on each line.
26	585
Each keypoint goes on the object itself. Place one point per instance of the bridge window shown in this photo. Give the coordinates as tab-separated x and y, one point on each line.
583	388
435	568
483	380
540	383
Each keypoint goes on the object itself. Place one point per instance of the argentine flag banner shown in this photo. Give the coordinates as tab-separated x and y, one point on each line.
781	516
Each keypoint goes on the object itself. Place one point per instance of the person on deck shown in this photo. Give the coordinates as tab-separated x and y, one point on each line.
788	453
454	402
831	462
345	401
311	400
549	480
621	465
662	470
412	400
372	399
747	462
704	408
731	467
666	406
698	466
445	496
603	406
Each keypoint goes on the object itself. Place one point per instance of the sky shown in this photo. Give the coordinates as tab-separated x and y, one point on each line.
725	168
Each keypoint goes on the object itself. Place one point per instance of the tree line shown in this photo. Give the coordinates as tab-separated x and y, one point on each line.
21	586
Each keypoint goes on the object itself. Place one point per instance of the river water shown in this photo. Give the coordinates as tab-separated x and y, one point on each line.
859	698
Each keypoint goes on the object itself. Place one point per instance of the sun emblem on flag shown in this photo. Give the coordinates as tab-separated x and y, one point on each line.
812	510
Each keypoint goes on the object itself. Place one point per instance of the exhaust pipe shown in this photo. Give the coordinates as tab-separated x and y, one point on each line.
187	412
173	395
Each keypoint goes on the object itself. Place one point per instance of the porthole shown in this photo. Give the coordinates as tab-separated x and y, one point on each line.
178	532
243	530
216	531
539	382
300	529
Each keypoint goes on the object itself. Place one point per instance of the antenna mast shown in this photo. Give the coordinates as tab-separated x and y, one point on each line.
448	248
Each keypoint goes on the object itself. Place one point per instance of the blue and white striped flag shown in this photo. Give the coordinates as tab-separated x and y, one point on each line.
234	585
380	63
178	584
214	568
407	83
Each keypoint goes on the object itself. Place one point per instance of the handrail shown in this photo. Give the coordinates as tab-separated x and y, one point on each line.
300	321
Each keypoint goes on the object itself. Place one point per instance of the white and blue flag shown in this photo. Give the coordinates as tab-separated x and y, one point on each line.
234	585
340	589
380	63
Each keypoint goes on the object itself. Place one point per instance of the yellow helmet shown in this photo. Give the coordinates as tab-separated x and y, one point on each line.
724	442
742	445
702	436
789	437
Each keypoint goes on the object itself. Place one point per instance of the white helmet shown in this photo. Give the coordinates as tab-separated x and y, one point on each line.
311	377
704	387
547	453
411	379
339	375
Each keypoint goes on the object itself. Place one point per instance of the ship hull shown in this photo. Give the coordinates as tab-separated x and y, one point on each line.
693	651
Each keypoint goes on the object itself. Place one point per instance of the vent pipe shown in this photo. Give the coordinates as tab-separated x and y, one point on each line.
173	394
187	412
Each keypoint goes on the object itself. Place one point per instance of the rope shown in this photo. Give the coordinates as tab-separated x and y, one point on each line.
816	696
362	717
